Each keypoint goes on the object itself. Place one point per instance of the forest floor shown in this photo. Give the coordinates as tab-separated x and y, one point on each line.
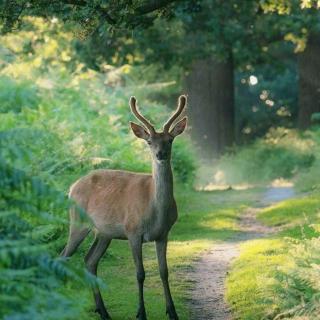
211	228
210	270
206	218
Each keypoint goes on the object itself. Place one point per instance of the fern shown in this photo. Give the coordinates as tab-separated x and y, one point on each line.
30	277
300	284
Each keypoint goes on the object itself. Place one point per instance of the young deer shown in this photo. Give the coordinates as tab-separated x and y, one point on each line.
133	206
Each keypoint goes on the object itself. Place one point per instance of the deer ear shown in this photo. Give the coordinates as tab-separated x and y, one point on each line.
139	131
179	127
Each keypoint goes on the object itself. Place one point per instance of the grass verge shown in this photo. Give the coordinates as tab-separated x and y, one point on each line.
277	277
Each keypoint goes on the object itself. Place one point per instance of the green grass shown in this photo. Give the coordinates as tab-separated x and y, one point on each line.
291	212
204	217
275	275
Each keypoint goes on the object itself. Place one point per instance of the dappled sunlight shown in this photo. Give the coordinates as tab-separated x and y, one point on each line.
289	138
220	224
212	178
293	211
249	290
282	183
182	251
273	275
224	187
220	220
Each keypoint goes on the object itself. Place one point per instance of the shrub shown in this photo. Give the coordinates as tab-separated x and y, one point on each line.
30	276
299	283
308	179
14	96
280	154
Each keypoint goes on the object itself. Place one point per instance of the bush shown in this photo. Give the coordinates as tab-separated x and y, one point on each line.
299	282
280	154
183	162
308	179
15	96
28	269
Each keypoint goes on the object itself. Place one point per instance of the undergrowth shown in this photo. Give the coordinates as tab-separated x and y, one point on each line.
59	120
282	153
278	277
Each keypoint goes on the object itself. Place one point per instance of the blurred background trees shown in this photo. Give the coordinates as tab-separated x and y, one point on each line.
221	53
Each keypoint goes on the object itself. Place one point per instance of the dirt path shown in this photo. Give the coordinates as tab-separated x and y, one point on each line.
209	273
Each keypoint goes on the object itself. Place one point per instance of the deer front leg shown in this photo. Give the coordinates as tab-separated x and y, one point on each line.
161	246
136	247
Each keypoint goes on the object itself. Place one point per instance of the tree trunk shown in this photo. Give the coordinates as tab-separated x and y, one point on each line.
210	89
309	82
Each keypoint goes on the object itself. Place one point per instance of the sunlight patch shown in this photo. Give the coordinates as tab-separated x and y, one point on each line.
277	183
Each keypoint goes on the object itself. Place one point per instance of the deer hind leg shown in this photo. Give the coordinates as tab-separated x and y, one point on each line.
76	236
92	259
77	233
136	247
161	247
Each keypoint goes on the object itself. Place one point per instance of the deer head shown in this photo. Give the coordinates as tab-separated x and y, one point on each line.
160	143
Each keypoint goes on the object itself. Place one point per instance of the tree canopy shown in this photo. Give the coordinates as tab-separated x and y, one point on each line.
89	14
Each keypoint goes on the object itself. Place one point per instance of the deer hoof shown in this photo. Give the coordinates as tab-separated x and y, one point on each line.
104	315
141	314
171	312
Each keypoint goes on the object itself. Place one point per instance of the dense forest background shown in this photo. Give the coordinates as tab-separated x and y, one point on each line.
251	70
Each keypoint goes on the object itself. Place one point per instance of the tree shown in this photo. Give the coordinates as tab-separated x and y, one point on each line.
194	37
309	81
299	23
89	14
210	82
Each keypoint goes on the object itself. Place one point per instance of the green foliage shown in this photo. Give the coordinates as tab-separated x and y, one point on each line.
299	282
265	97
307	180
315	117
30	276
278	277
88	16
16	96
183	162
81	119
59	120
280	154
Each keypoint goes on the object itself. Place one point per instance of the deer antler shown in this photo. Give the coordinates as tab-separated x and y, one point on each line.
181	106
139	116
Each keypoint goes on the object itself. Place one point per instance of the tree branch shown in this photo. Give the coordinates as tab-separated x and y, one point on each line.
83	3
150	6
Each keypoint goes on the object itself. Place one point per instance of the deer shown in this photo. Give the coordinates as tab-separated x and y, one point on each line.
124	205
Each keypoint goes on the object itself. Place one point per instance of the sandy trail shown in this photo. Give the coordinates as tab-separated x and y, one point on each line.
210	271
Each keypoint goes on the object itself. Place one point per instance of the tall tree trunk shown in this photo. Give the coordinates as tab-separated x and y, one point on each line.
210	88
309	81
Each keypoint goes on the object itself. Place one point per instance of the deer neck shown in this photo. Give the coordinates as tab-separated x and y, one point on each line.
163	183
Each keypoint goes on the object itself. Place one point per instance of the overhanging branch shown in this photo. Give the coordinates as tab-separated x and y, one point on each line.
150	6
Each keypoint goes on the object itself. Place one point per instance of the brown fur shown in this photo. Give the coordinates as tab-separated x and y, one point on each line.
112	198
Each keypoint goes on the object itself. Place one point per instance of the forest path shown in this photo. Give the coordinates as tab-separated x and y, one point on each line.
210	271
